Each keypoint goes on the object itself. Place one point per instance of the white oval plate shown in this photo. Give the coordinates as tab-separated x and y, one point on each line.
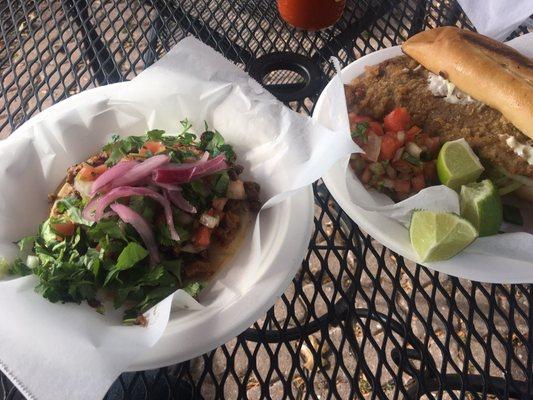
192	333
482	261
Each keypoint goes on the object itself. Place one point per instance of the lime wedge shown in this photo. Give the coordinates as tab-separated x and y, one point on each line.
439	236
457	164
482	206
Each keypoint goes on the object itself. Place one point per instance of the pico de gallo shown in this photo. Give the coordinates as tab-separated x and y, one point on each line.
399	159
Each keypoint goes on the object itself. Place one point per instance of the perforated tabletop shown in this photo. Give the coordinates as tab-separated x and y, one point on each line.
358	321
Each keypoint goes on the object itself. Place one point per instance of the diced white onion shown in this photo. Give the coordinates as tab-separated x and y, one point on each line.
413	149
401	136
209	220
32	261
83	187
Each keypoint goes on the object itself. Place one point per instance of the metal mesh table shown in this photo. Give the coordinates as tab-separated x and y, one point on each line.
358	321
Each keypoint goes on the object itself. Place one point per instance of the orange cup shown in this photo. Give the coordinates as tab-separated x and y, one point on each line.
311	14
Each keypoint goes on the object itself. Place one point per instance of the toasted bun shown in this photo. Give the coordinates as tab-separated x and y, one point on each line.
487	70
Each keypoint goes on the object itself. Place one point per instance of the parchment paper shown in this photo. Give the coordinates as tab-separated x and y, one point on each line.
54	351
497	18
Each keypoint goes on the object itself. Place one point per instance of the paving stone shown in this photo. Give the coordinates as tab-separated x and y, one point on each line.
274	391
333	272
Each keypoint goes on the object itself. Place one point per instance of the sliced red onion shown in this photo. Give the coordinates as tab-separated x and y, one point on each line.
126	191
129	216
183	173
167	186
179	201
188	165
112	173
140	171
173	176
219	164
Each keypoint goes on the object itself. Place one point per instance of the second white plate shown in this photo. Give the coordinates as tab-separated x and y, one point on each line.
482	261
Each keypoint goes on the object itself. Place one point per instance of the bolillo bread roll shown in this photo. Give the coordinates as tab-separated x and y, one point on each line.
487	70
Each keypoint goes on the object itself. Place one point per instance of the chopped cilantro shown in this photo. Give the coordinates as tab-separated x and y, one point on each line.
73	206
130	255
360	131
221	186
105	228
194	288
155	135
213	142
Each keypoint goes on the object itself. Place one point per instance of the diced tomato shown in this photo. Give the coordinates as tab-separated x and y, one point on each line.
366	175
389	145
430	171
411	133
152	147
418	183
376	128
89	173
397	120
64	228
402	185
202	237
354	118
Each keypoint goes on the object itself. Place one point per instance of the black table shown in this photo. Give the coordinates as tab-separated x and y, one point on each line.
358	321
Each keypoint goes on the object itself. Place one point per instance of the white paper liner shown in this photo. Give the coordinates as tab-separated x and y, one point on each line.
69	351
504	258
497	18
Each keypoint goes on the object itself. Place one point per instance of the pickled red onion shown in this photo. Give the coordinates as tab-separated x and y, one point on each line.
126	191
112	173
179	201
183	173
